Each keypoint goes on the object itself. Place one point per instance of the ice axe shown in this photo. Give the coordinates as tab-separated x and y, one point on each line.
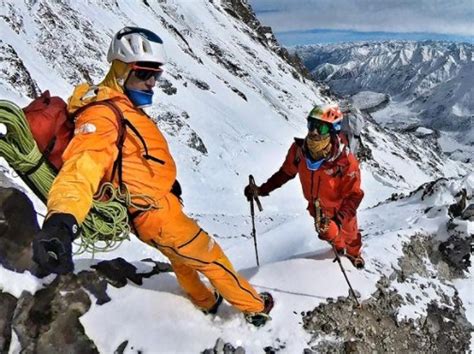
252	213
319	217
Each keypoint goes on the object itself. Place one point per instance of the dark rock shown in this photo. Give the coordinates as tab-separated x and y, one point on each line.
159	267
167	87
238	92
456	209
196	143
18	225
468	213
182	42
177	125
95	285
219	346
121	348
200	84
223	348
221	57
7	307
375	325
448	329
48	322
228	348
118	271
456	251
352	347
239	350
14	72
243	11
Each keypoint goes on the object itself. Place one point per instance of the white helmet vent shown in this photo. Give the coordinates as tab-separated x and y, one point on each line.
132	44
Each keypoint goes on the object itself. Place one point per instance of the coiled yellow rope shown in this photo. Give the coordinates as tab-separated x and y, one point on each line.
107	225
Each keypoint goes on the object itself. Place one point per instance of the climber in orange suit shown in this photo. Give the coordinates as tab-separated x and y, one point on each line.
144	165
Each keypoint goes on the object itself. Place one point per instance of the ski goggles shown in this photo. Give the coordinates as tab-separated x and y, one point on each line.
145	71
322	128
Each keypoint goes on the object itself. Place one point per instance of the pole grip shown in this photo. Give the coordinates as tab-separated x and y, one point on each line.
255	197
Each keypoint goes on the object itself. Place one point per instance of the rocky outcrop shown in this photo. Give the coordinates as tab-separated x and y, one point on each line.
14	72
7	307
18	225
243	11
375	326
48	321
222	347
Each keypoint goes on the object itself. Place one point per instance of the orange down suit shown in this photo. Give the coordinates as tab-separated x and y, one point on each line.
89	160
336	184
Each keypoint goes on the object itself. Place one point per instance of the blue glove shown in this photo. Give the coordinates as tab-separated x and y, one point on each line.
52	246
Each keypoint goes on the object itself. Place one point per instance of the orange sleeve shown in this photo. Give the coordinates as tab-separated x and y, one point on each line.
287	171
91	152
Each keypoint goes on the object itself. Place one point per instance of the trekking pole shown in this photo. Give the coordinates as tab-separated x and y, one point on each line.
252	213
338	259
318	216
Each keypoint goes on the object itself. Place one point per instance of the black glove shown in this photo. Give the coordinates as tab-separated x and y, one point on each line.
251	191
52	246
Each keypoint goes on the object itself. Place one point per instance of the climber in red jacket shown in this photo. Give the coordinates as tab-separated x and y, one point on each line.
329	173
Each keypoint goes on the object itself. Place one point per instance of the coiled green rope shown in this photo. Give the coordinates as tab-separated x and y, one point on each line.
107	225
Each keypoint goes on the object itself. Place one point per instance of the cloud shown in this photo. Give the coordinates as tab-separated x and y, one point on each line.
453	17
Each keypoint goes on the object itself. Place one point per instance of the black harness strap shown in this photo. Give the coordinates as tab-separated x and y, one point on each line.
299	152
44	158
147	156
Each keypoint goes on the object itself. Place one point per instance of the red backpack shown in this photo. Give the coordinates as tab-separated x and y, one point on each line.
53	127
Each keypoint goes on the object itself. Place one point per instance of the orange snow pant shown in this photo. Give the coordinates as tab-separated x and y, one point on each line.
191	251
349	237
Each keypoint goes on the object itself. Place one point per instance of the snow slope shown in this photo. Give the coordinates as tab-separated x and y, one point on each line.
229	107
295	266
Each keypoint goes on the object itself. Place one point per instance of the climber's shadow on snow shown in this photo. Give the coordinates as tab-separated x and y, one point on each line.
146	274
318	255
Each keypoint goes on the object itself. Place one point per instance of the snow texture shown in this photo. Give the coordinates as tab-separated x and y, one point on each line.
230	94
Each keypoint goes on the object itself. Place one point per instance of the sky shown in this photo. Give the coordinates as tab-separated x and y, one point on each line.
329	21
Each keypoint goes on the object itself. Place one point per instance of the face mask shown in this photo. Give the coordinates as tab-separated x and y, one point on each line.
318	146
140	98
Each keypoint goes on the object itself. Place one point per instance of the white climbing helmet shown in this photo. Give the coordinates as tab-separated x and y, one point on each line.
132	44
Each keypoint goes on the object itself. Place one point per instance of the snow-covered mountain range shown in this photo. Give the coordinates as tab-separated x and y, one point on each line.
230	103
427	81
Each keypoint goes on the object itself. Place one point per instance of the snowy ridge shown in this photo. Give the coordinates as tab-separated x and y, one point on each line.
433	79
230	106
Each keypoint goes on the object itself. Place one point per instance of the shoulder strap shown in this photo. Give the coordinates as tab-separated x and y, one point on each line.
299	152
121	121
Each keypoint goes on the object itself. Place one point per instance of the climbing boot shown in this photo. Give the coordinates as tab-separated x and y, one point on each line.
215	307
258	319
357	261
